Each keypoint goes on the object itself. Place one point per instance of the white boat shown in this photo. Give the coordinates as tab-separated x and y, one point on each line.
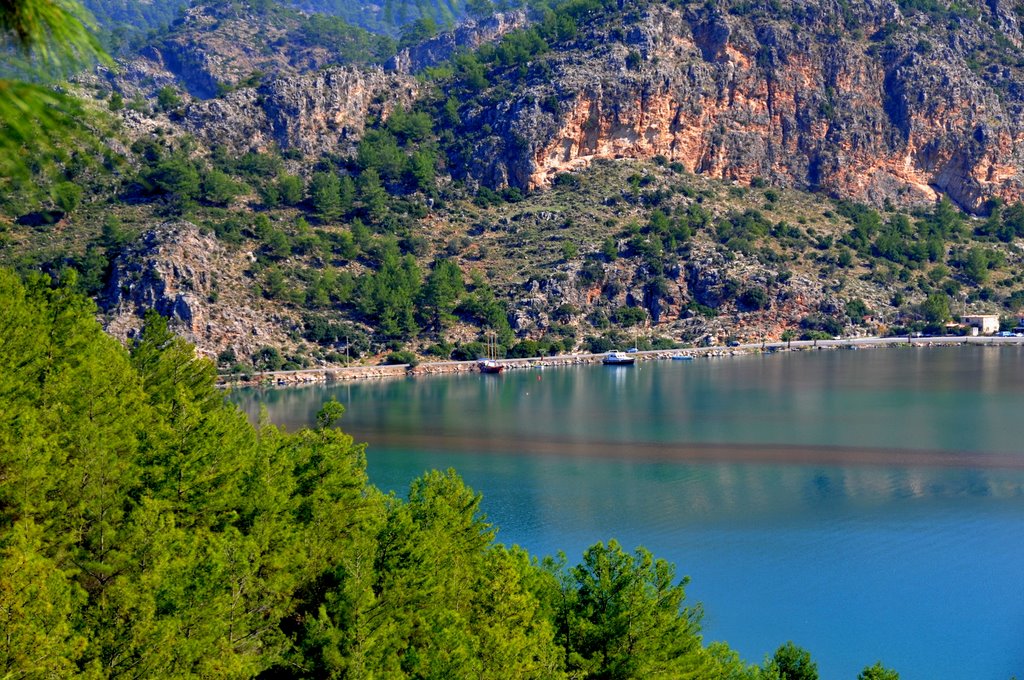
682	357
617	358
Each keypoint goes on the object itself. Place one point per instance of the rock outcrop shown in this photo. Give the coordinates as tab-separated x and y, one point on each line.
467	36
312	113
217	46
859	99
316	112
197	284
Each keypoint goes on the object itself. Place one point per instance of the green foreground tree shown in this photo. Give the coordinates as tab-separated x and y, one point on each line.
622	616
878	672
791	663
43	42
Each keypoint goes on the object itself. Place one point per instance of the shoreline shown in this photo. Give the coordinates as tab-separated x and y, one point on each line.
333	374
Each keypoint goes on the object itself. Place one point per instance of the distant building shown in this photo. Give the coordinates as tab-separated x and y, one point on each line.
987	324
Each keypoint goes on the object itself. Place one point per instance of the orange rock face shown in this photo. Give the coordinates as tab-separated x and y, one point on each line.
733	99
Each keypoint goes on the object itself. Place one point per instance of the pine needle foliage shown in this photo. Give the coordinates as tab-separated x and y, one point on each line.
43	41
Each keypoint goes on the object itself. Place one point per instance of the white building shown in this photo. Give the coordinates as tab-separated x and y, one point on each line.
987	324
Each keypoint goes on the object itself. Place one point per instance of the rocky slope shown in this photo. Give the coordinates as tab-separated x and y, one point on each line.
319	110
216	47
210	296
139	16
253	79
198	284
862	100
312	113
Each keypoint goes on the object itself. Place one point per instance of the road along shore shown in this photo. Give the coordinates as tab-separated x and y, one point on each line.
388	371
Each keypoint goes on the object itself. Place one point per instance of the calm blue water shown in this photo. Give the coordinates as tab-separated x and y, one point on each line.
867	505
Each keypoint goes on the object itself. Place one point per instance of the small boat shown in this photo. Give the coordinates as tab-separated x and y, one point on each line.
491	363
617	358
682	357
490	366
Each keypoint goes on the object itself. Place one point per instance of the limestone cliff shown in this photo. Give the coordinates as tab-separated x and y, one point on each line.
860	100
869	99
222	45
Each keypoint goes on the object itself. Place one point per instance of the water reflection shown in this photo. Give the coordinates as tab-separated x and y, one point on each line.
958	400
868	419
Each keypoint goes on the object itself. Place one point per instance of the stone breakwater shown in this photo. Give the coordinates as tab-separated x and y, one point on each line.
340	374
337	374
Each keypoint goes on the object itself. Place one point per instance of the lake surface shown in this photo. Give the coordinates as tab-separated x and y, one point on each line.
867	505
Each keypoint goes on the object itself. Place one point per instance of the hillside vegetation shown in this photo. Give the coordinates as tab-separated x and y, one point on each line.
124	22
343	263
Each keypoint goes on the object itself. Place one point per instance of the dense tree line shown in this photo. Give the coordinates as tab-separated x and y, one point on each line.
147	529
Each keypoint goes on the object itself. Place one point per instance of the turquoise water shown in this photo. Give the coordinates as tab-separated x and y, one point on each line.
867	505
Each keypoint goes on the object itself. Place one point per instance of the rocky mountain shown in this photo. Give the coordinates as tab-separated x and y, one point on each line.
312	113
325	110
130	18
252	78
388	16
678	171
123	20
870	101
